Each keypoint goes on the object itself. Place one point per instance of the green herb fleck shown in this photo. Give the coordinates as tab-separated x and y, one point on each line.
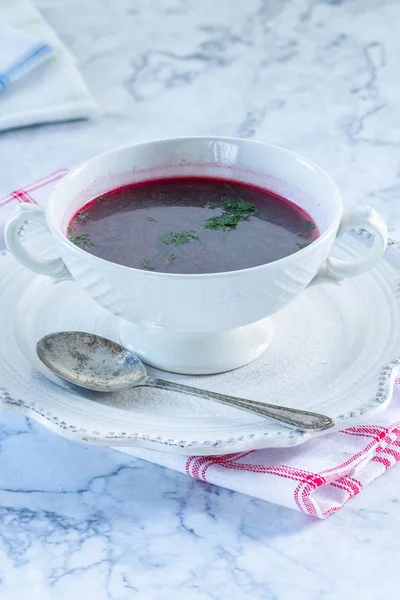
170	259
239	206
224	222
104	198
212	205
82	240
179	238
70	229
309	226
146	265
234	211
82	216
301	246
151	219
163	195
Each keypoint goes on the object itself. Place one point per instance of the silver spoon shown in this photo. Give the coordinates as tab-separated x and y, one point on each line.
95	363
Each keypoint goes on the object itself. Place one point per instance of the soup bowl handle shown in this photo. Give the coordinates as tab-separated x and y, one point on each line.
55	268
335	270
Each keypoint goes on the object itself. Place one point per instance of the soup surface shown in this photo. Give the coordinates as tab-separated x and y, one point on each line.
191	225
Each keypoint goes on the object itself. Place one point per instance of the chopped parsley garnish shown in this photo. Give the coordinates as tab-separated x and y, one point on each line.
82	216
179	238
234	211
301	246
146	265
104	198
171	258
309	226
224	222
82	240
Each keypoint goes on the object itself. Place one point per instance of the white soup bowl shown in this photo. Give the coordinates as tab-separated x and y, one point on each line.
199	323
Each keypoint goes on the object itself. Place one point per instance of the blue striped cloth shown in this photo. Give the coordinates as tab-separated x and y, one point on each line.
20	53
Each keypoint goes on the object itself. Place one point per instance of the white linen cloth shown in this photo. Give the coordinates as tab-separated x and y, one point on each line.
20	53
53	92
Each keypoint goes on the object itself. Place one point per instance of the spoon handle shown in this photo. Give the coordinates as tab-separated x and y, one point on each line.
291	416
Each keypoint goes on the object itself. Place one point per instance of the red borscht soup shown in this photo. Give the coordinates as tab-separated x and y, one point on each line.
191	225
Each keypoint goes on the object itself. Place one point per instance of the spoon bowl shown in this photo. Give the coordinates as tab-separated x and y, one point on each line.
91	361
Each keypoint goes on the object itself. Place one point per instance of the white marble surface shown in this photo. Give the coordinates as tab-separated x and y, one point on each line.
319	77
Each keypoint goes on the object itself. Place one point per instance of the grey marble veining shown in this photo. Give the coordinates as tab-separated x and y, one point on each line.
320	77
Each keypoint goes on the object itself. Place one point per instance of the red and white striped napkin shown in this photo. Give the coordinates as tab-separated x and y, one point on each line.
316	478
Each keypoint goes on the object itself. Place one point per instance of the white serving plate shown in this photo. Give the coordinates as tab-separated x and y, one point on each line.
336	351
